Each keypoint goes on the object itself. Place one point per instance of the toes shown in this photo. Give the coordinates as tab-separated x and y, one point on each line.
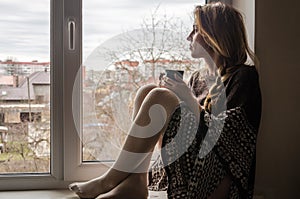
74	187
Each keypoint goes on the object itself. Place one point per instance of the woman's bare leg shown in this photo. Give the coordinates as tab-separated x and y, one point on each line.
139	146
128	188
140	97
133	187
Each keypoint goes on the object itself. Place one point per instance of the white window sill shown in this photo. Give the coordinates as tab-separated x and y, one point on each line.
56	194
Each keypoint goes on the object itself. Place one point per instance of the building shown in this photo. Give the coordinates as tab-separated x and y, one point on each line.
31	94
10	67
25	109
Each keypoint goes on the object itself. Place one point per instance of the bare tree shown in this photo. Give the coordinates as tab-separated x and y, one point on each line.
160	43
159	38
28	148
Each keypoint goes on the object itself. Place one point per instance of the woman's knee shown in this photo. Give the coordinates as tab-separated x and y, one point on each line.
163	96
143	91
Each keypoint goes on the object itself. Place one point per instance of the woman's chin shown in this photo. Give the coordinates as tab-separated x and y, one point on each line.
200	54
195	55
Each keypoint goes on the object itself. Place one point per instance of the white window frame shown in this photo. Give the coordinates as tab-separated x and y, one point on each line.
66	159
55	179
74	167
66	145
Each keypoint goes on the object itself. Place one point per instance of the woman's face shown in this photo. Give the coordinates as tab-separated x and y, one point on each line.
198	44
200	49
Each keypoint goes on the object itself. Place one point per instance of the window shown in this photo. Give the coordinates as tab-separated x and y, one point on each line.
30	102
120	54
30	117
25	50
101	52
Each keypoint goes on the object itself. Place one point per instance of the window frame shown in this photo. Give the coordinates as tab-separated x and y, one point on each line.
74	167
65	158
54	179
66	146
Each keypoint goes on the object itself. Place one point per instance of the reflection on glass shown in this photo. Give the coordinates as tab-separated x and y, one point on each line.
125	47
24	86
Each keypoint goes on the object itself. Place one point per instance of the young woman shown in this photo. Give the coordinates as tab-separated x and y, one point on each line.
208	144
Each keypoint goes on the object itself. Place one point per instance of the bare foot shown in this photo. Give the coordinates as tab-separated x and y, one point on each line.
90	189
133	187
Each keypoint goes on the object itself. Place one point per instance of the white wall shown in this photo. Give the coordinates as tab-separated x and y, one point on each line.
247	8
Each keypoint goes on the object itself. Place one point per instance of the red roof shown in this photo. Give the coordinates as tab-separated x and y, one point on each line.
166	61
128	63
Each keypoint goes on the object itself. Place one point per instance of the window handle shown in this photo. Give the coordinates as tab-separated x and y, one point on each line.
71	29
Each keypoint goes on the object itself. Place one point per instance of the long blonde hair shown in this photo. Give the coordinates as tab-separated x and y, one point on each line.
222	28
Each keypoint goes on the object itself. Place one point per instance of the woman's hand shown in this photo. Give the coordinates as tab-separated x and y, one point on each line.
183	92
178	86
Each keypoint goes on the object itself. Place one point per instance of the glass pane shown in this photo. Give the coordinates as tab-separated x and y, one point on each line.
127	44
24	86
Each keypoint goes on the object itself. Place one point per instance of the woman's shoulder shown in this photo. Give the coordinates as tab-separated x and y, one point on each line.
246	69
245	73
244	76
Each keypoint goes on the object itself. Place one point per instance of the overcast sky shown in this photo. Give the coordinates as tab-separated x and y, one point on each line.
25	24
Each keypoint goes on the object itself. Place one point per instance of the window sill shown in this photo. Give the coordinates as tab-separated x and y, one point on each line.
55	194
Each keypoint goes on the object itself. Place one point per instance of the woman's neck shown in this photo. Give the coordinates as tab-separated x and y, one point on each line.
212	67
213	64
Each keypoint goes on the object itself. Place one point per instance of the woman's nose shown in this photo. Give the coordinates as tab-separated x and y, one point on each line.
190	37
